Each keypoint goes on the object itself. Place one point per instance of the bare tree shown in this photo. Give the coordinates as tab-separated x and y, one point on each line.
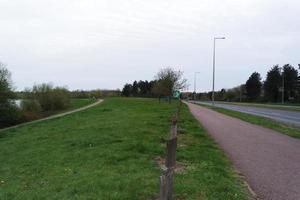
167	80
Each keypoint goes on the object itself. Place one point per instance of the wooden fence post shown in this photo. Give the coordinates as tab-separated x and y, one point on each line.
166	179
173	130
163	191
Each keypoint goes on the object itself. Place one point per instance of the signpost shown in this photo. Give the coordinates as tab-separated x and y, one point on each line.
176	94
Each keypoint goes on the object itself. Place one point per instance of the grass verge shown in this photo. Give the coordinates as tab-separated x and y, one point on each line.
108	152
261	121
288	107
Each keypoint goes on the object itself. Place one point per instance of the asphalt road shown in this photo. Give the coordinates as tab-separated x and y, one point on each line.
287	117
270	161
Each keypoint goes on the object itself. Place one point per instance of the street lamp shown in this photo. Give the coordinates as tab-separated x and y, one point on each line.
195	85
214	63
282	89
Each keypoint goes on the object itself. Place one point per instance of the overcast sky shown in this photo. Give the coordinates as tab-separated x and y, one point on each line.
87	44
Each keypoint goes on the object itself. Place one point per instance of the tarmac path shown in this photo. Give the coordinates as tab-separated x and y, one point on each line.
270	161
55	116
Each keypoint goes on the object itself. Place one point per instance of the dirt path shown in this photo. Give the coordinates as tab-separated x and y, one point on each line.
55	116
269	160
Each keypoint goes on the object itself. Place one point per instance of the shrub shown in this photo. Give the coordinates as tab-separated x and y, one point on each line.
47	98
30	106
9	113
60	98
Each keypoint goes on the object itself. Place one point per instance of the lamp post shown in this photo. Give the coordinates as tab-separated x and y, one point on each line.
214	63
195	84
282	89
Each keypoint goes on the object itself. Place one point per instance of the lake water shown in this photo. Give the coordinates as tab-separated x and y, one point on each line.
18	102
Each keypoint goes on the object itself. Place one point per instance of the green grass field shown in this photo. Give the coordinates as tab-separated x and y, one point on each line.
108	152
77	103
74	104
261	121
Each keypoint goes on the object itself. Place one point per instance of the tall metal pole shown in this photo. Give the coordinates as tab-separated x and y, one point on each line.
195	85
282	95
214	63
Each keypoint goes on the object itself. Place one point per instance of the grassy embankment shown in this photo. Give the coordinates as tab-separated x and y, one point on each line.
78	103
261	121
108	152
32	117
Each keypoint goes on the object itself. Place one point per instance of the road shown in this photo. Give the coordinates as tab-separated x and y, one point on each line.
287	117
270	161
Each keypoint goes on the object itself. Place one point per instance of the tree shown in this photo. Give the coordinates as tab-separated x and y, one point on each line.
272	84
298	86
48	97
290	76
220	95
253	86
5	84
127	90
168	80
135	89
9	113
235	94
143	88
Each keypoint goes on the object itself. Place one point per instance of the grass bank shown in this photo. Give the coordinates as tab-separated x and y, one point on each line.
78	103
261	121
108	152
31	117
74	104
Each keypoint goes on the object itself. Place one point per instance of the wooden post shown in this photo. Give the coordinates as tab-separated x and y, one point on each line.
163	191
166	185
169	189
166	179
173	130
178	109
177	113
171	153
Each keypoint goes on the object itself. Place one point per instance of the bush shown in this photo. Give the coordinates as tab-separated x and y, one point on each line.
30	106
10	114
47	98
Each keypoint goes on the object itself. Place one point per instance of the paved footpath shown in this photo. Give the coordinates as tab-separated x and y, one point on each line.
270	161
54	116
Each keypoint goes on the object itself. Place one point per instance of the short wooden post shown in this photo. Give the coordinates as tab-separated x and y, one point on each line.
173	130
166	179
163	191
169	189
171	153
178	109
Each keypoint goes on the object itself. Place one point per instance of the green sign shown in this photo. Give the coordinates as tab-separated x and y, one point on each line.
176	94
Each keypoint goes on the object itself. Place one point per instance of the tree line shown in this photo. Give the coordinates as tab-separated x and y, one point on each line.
138	89
165	82
281	84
